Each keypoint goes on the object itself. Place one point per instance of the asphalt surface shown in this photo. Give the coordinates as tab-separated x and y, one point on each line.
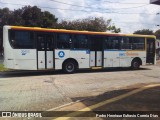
43	91
142	105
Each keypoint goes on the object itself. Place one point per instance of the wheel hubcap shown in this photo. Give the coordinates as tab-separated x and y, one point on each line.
136	65
70	67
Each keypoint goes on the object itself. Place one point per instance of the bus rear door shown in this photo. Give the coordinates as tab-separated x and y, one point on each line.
96	54
150	50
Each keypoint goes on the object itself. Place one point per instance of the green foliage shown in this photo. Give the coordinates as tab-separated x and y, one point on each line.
89	24
114	29
148	32
2	68
157	34
48	19
144	32
27	16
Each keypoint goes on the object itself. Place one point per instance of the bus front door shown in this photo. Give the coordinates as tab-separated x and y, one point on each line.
96	54
150	51
45	51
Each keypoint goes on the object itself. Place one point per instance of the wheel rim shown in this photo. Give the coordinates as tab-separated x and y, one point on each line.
135	65
70	67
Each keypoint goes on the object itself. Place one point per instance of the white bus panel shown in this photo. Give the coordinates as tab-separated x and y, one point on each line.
82	57
111	58
60	56
49	61
41	59
99	58
92	59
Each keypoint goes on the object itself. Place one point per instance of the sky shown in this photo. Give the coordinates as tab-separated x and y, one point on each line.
129	15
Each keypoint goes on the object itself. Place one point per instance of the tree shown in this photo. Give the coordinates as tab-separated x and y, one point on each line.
33	16
89	24
27	16
157	34
4	18
144	32
49	20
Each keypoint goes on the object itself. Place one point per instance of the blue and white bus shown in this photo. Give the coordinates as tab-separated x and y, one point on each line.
32	48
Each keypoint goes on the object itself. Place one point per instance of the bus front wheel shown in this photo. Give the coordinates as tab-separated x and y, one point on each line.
69	66
135	64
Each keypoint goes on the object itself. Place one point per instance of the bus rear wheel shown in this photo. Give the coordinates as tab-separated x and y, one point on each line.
135	64
69	66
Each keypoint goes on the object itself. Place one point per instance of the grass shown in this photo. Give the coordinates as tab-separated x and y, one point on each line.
2	69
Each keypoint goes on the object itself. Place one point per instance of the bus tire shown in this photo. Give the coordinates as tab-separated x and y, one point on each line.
135	64
69	66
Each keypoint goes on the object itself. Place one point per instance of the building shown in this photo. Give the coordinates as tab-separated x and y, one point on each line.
157	2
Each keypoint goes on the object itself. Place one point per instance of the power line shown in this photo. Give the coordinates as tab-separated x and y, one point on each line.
138	23
133	7
123	3
97	8
73	4
73	10
12	4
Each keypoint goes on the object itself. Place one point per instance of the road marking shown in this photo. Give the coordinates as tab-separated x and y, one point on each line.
90	108
71	103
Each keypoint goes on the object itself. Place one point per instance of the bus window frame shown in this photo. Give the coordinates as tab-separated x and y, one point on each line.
45	34
144	46
105	47
73	42
69	42
130	38
15	47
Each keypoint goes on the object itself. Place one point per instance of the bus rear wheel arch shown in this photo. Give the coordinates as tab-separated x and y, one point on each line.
70	65
135	64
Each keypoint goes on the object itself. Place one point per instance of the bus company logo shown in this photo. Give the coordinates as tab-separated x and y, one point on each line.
24	52
128	54
132	54
87	51
61	54
122	54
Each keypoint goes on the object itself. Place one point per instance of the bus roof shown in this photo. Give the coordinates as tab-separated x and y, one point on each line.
75	31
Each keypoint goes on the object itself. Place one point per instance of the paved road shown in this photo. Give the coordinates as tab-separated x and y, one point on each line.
46	91
134	102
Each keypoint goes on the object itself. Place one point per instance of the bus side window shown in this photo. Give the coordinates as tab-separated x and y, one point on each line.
80	42
112	43
64	41
138	43
22	39
126	43
41	42
50	43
